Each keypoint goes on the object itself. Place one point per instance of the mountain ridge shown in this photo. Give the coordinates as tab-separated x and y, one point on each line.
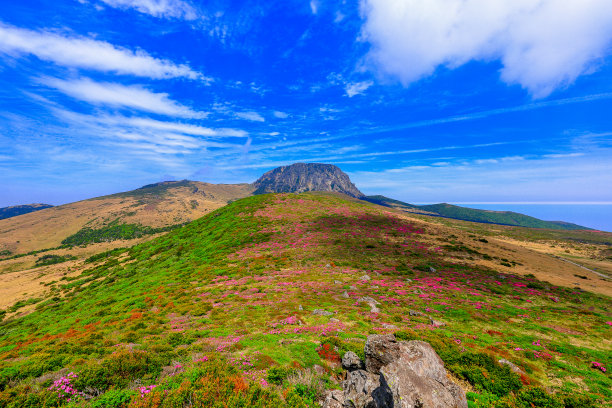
456	212
15	210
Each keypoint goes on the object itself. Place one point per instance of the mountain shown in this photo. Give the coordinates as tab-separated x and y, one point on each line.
13	211
496	217
149	209
255	303
301	177
474	215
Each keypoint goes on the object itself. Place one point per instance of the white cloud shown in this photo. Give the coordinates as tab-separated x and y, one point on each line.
182	128
357	88
314	6
252	116
157	8
122	96
543	45
280	115
81	52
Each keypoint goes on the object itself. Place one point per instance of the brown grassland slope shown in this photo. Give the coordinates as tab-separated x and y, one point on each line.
157	205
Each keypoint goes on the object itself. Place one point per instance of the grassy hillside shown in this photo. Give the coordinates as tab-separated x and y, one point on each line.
496	217
475	215
226	312
151	207
13	211
389	202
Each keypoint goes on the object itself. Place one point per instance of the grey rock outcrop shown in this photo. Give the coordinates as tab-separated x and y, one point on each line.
321	312
334	399
351	361
404	374
379	351
301	177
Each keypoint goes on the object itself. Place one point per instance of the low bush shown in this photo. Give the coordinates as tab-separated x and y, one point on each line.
482	371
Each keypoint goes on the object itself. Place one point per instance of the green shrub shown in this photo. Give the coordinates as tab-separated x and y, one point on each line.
537	397
482	371
578	401
114	399
276	375
51	259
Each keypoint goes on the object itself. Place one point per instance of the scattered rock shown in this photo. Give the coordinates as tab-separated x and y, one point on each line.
406	374
389	326
365	277
321	312
353	287
432	269
408	280
345	294
337	282
334	320
368	300
327	265
351	361
334	399
436	323
414	313
358	389
300	307
513	367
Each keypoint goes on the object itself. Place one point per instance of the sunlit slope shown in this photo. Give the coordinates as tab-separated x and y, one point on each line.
157	205
279	281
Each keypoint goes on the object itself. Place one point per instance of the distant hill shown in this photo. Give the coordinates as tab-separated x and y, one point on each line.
129	214
475	215
389	202
15	210
302	177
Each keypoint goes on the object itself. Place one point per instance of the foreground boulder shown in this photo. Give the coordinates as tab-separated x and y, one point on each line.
398	374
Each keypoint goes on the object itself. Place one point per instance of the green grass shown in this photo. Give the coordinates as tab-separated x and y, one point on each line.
228	288
113	232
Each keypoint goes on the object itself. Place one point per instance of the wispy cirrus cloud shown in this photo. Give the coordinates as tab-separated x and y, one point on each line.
86	53
280	115
357	88
122	96
157	8
484	114
504	179
252	116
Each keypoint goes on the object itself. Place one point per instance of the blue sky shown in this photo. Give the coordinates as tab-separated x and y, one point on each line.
437	101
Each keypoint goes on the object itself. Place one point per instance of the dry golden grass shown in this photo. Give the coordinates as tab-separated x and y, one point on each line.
163	206
537	258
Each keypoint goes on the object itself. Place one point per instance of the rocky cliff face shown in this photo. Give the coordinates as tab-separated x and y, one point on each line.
300	177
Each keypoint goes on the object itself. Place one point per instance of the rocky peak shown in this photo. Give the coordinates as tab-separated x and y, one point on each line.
301	177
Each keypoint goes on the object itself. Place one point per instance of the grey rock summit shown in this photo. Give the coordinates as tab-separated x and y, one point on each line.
301	177
397	374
